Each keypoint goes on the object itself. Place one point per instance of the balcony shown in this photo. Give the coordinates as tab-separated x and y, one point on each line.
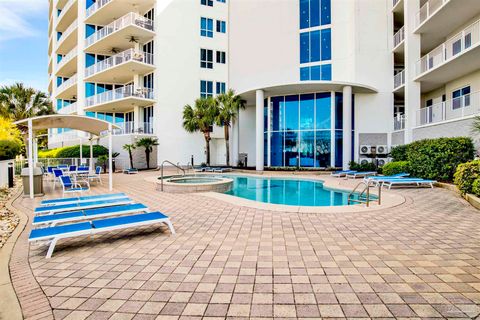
68	89
456	57
68	15
399	81
120	67
130	127
120	100
398	40
68	39
459	108
105	11
68	65
119	34
399	122
437	19
397	6
69	109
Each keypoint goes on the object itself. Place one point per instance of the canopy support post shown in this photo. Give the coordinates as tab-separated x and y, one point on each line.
110	162
91	155
81	151
30	157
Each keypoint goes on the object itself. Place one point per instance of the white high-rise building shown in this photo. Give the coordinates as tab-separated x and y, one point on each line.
326	81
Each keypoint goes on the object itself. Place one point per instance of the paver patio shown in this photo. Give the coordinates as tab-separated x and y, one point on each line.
420	259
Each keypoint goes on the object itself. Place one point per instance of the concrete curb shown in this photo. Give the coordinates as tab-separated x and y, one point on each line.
9	304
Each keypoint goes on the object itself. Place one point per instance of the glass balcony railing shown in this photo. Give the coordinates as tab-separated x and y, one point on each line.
119	93
453	47
119	58
97	5
67	83
399	79
131	127
66	58
427	10
457	108
68	109
399	122
130	19
399	37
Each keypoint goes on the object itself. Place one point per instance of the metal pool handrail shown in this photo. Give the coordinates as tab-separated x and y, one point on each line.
161	169
366	190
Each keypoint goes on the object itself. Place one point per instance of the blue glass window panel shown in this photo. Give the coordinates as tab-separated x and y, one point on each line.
59	81
276	149
326	44
221	26
89	30
457	47
304	73
203	86
59	35
100	88
326	12
278	113
291	148
314	13
291	112
59	104
315	46
119	118
307	111
206	27
304	14
90	114
338	111
59	58
220	87
323	148
265	149
59	130
58	12
89	60
101	115
304	47
323	112
307	149
109	117
89	3
338	148
209	87
89	89
315	73
326	72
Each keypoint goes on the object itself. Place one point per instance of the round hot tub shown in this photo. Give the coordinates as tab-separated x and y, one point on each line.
188	184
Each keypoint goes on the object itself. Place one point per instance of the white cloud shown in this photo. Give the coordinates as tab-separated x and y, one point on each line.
16	17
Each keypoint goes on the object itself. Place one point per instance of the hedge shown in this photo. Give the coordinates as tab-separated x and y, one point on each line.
396	167
399	153
362	167
9	149
466	175
73	152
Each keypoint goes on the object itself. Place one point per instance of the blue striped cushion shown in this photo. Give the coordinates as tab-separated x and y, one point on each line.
126	220
81	205
58	230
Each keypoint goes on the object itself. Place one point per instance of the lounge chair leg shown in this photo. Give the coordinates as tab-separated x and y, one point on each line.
51	248
170	226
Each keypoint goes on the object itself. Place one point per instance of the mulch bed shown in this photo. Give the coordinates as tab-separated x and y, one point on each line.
8	219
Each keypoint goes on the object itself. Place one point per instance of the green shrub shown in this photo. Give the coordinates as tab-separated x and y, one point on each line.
476	187
362	167
9	149
73	152
399	153
438	158
465	176
395	167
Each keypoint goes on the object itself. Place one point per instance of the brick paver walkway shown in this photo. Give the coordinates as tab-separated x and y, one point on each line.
421	259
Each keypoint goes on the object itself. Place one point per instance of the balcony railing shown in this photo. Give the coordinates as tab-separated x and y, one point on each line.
399	79
69	56
65	9
67	32
457	108
428	9
97	5
399	122
130	127
399	37
119	58
395	2
67	83
130	18
450	49
119	93
68	109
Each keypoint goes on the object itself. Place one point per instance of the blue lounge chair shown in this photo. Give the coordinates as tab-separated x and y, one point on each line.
361	174
57	173
81	206
70	186
378	179
407	182
342	173
81	215
58	201
72	168
53	234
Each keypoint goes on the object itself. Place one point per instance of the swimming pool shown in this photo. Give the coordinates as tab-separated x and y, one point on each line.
294	192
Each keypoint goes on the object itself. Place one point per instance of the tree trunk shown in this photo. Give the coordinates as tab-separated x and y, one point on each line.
147	158
207	147
131	158
227	144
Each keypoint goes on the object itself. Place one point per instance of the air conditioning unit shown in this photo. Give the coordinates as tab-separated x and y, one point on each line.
382	149
365	160
365	149
382	161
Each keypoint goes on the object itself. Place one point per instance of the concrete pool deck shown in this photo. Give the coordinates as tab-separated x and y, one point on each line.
418	259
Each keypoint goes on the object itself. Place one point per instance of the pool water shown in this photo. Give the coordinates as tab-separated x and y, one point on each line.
197	180
294	192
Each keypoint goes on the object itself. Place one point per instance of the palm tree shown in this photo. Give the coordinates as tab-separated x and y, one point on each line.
148	143
129	148
229	105
200	118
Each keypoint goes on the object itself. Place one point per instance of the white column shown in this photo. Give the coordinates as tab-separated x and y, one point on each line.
259	130
35	151
235	140
91	169
110	162
332	125
30	156
347	126
136	118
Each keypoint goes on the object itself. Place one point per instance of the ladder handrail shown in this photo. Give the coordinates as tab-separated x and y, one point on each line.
161	170
367	190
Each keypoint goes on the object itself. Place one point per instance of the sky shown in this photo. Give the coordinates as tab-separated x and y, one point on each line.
24	43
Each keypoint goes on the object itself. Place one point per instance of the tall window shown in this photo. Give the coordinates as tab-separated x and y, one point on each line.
461	98
206	3
314	13
221	87
321	72
221	26
221	57
315	46
206	88
206	27
206	58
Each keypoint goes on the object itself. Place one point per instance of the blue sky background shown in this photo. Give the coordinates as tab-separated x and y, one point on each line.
24	43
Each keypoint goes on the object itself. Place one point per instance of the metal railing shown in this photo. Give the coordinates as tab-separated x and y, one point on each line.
119	93
119	58
130	127
97	5
427	10
68	109
364	196
399	122
68	83
130	18
69	56
454	46
399	79
67	32
121	163
395	2
398	37
65	9
457	108
161	170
